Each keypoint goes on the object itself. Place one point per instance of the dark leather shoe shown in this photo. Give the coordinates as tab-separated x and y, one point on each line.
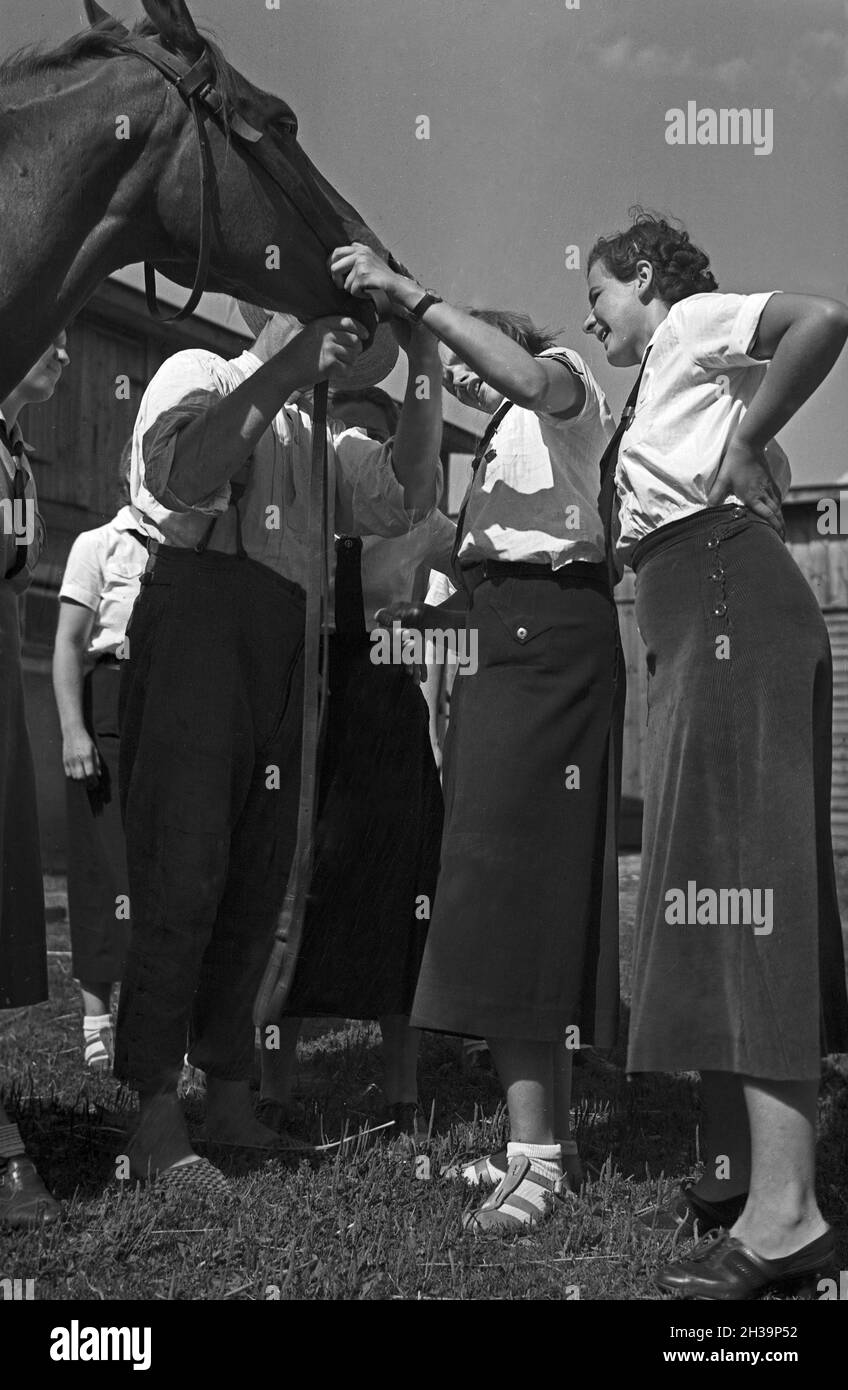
686	1211
24	1200
721	1267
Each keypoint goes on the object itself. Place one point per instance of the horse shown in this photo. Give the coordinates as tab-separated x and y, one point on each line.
99	140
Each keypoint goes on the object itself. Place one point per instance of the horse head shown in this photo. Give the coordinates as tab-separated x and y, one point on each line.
275	218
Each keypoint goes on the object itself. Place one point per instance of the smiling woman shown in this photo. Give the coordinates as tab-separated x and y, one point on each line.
738	654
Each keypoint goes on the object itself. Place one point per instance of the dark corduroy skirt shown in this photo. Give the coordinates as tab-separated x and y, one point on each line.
524	937
376	845
738	959
97	861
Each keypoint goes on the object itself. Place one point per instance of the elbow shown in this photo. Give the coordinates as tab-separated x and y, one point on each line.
530	390
832	322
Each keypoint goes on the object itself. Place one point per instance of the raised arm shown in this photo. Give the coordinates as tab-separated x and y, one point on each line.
219	440
535	383
418	438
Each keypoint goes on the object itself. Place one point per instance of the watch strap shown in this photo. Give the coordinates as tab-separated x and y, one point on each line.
427	299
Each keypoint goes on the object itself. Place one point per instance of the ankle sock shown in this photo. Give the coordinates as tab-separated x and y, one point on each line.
544	1158
97	1036
525	1194
11	1143
545	1162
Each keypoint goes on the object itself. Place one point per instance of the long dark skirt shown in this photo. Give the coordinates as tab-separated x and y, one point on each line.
377	844
737	797
23	959
98	890
524	937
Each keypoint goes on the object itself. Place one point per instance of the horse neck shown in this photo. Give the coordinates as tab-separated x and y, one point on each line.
84	201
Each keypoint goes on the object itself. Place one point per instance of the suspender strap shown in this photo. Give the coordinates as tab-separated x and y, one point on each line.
608	497
482	449
279	972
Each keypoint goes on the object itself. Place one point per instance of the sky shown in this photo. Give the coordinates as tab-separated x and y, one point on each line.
547	120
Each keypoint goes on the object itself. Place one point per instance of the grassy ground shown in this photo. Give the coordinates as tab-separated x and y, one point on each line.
368	1220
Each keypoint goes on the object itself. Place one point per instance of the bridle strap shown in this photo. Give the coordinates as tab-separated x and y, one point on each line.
197	90
195	84
282	962
204	243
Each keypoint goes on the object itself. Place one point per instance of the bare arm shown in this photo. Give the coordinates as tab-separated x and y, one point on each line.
415	451
532	382
79	755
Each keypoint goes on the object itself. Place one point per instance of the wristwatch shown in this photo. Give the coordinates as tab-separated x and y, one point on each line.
428	298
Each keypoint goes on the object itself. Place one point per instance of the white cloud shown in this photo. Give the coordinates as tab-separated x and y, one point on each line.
819	64
815	63
654	60
622	55
731	72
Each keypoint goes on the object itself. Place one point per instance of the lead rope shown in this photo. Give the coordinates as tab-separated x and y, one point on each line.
282	962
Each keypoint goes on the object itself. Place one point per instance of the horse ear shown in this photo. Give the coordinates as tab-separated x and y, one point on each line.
95	14
175	25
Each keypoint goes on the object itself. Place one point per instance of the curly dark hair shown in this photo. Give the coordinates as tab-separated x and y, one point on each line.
680	268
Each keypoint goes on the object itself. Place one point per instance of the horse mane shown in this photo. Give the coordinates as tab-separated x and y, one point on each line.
34	60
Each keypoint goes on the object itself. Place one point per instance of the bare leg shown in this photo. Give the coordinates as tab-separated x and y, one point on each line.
781	1214
279	1065
400	1059
96	996
725	1137
526	1071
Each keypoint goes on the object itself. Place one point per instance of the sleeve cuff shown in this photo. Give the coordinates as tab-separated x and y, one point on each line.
747	324
79	594
158	464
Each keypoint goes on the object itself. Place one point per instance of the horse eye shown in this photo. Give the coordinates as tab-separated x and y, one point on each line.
287	124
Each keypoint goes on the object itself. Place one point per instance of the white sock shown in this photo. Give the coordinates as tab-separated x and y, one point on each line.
525	1194
97	1035
544	1161
544	1158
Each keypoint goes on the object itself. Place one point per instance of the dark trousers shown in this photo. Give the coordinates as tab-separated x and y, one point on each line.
211	705
97	867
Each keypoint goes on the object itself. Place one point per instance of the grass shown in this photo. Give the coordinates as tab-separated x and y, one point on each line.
369	1220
